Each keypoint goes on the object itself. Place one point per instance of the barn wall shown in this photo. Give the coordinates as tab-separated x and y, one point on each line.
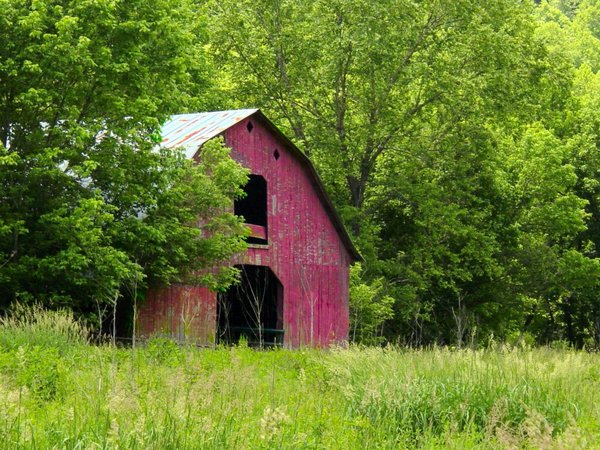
185	313
304	251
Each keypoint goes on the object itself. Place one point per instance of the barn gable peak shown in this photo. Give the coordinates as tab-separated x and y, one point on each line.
191	131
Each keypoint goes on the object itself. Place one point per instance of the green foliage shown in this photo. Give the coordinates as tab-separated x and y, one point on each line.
458	140
164	351
40	370
369	308
88	205
34	342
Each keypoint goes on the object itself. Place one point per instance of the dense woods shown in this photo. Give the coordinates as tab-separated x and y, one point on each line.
91	211
459	141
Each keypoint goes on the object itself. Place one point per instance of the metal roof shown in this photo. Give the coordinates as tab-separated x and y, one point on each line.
190	131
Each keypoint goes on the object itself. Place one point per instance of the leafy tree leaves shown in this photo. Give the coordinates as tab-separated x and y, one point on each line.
89	203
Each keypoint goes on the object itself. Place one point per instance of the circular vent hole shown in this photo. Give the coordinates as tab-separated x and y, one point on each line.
276	154
249	126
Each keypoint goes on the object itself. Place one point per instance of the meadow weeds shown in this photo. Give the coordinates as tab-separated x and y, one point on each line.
32	325
61	392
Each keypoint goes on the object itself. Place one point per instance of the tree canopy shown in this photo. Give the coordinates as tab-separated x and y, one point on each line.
459	141
451	136
89	203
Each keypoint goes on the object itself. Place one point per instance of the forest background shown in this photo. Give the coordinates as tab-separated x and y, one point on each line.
458	140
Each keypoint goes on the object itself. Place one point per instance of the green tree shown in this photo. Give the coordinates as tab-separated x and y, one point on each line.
416	114
575	37
369	308
88	203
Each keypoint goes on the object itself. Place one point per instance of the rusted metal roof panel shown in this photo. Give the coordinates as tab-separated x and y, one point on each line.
190	131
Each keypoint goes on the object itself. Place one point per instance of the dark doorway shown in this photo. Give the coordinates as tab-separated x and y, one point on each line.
253	207
252	309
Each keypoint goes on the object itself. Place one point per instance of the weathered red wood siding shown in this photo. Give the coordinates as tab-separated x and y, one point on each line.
304	250
186	313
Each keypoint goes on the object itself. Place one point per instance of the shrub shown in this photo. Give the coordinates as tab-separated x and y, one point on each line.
369	308
164	351
39	369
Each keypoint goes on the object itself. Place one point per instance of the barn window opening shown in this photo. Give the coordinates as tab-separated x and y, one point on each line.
276	154
249	127
252	309
253	207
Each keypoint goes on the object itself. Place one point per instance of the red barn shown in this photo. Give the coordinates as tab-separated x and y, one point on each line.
294	284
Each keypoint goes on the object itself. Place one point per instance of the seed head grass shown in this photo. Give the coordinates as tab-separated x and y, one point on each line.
164	396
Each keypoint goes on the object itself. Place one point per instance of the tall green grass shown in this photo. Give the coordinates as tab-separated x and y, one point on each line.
75	395
34	326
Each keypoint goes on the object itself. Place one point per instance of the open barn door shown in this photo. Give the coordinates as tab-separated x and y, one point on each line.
252	309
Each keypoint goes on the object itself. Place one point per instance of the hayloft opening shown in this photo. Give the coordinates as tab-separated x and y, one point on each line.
252	309
253	207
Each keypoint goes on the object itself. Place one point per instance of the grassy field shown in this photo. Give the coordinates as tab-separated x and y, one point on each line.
56	391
